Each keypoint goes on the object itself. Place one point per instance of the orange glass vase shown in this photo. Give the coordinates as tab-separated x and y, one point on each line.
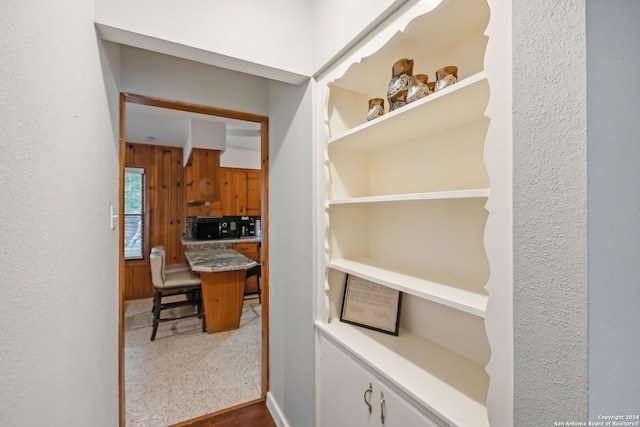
401	73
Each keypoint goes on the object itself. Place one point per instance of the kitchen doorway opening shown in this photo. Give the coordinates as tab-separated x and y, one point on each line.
134	100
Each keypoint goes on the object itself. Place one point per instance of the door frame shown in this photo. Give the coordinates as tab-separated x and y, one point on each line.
264	172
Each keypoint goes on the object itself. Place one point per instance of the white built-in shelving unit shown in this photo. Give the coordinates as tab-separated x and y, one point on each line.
408	204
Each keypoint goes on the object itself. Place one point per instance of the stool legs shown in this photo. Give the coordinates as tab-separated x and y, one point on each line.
257	273
193	298
155	315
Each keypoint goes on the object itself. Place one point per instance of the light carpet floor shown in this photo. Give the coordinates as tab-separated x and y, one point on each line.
186	373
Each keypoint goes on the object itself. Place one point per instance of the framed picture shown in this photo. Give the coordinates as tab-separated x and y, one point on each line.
371	305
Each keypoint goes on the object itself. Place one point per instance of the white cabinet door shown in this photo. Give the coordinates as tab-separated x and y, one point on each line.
343	384
347	389
398	412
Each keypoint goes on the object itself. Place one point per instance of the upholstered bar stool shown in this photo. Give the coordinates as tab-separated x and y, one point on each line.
166	284
159	250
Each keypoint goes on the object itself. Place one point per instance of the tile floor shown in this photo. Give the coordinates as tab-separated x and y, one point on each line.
186	373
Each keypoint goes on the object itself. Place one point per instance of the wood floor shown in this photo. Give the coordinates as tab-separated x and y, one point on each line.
252	415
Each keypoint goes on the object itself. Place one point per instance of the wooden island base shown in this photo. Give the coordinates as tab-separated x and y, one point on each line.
223	293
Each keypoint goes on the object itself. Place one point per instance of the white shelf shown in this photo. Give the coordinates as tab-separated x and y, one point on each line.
456	292
448	385
414	197
442	27
409	191
453	106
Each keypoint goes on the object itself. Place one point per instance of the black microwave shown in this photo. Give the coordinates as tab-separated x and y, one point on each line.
208	230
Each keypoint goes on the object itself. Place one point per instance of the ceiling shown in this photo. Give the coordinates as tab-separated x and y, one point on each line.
162	126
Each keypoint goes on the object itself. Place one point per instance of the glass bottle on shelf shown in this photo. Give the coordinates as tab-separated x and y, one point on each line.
446	76
418	87
401	73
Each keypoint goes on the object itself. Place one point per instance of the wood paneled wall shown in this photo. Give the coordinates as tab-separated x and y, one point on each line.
166	209
167	206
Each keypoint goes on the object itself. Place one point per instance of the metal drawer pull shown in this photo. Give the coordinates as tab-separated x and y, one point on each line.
381	407
369	390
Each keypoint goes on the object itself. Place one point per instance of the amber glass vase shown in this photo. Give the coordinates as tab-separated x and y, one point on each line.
376	108
446	76
418	87
401	73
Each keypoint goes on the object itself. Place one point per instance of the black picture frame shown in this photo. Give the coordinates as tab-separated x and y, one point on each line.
371	305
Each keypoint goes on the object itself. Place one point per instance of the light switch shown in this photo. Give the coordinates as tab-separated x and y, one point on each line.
114	218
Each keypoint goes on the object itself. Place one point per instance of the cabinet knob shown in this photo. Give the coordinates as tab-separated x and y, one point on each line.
369	390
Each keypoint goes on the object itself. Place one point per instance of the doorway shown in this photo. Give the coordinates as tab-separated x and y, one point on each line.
262	121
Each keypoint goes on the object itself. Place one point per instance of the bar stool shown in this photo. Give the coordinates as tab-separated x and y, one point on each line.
159	250
255	271
166	284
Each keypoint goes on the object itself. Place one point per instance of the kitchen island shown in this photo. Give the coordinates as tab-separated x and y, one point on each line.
222	271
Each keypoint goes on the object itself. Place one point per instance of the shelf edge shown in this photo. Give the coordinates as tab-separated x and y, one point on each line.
475	303
476	193
424	102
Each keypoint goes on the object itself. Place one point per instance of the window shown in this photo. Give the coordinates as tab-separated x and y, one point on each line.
133	213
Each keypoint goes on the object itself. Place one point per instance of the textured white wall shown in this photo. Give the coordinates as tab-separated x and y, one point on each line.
253	35
291	277
614	207
550	212
59	174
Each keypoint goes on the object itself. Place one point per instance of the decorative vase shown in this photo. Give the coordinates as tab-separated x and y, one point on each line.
446	76
376	108
418	87
399	85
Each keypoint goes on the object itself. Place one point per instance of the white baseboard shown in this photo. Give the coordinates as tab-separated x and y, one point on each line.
276	413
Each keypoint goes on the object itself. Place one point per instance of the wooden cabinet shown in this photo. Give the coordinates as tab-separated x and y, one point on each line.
418	200
203	176
254	189
250	250
233	184
240	194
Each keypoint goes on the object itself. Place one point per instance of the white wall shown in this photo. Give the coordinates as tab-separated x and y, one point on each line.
289	111
550	212
58	363
240	158
59	174
163	76
269	39
266	38
614	206
291	166
337	25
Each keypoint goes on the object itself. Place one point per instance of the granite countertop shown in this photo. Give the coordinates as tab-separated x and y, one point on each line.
216	260
212	256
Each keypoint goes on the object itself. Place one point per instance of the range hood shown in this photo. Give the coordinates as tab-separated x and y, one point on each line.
205	141
206	135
